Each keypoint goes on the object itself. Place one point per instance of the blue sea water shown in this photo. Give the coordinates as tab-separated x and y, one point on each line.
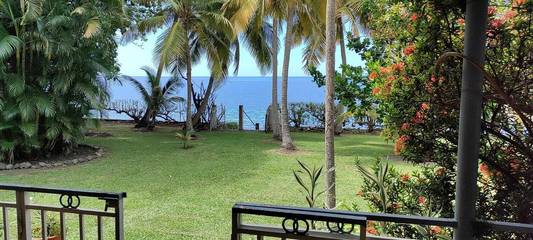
254	93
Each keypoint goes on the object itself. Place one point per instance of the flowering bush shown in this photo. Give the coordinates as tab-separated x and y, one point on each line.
389	191
420	107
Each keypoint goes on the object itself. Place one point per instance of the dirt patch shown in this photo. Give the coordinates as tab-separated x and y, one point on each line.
284	152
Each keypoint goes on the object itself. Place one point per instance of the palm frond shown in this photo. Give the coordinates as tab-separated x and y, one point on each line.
170	44
92	28
140	87
33	9
8	46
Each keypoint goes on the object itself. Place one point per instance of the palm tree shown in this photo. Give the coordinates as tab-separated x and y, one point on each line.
192	28
331	30
251	20
156	96
303	24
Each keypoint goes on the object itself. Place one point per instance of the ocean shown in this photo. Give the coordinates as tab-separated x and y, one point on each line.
254	93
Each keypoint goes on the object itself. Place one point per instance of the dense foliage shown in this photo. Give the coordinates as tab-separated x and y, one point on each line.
420	105
55	57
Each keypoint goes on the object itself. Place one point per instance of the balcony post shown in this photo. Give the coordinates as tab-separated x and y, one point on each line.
24	231
470	119
119	219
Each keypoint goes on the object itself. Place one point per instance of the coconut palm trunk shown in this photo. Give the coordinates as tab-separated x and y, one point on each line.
188	122
340	107
274	113
330	104
285	130
342	44
196	120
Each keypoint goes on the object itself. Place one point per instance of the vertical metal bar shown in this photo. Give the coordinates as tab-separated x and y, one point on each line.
5	223
470	119
82	223
119	219
259	237
235	225
23	216
100	227
44	225
62	226
362	232
241	117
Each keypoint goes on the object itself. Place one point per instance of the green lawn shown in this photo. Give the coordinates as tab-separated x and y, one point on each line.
188	194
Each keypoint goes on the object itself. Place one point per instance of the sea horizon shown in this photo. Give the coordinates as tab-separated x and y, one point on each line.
253	92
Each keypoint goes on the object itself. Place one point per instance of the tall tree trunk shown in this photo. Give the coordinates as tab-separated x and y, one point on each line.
340	107
342	44
205	101
274	112
286	140
188	123
330	105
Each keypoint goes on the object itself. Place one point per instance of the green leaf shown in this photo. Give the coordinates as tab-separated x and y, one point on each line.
45	106
6	145
53	132
27	110
15	86
8	45
29	129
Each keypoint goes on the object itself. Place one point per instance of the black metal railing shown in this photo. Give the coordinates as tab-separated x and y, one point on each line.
69	202
343	223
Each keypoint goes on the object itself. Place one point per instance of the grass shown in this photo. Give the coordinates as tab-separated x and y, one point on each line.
188	194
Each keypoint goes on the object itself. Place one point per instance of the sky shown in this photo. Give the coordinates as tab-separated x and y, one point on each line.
133	56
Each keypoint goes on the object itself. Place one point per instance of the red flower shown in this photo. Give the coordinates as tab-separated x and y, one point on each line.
424	107
496	23
410	49
399	145
376	91
484	169
398	66
461	21
405	177
440	171
421	200
414	17
436	229
391	79
492	10
418	118
405	126
372	231
385	70
372	75
509	15
515	165
517	3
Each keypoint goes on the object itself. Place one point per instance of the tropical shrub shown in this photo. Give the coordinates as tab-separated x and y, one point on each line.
389	191
55	57
297	114
420	105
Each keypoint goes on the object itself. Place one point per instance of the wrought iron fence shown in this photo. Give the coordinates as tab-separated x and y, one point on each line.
69	202
296	222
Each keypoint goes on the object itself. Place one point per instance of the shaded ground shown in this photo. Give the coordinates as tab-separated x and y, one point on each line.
188	194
